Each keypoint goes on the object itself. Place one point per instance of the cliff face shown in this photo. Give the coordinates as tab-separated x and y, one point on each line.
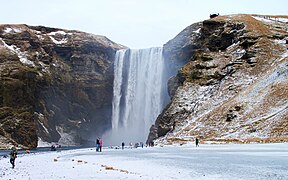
55	84
234	85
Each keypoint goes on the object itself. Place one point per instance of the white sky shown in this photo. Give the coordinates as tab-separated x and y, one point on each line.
133	23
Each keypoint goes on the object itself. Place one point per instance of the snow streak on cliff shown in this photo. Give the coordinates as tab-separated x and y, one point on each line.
137	94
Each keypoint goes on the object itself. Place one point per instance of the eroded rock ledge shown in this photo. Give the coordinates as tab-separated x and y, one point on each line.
55	85
233	86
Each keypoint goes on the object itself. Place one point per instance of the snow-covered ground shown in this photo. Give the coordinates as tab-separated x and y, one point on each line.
232	161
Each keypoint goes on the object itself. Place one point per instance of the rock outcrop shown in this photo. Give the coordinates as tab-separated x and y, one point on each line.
55	85
234	85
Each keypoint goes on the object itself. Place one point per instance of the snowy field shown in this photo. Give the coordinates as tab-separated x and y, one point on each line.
250	161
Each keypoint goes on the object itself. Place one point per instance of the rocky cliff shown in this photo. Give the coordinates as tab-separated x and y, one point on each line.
55	85
234	84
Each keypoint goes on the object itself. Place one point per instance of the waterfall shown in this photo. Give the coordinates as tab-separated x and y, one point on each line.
137	94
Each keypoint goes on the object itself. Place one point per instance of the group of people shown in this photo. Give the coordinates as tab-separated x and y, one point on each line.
13	153
55	146
99	144
151	144
136	145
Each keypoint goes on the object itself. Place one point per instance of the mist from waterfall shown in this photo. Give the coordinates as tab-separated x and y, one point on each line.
138	94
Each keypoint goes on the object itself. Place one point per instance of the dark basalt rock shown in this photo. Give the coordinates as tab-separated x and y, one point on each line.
68	89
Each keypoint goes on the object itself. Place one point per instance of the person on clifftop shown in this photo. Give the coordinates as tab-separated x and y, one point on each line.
13	156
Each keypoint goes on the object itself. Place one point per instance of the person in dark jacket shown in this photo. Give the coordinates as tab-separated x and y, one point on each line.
13	156
53	147
197	142
123	144
97	144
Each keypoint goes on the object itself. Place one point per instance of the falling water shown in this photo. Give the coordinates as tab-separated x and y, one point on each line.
137	94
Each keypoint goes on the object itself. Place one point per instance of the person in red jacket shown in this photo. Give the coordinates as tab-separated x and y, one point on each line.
100	141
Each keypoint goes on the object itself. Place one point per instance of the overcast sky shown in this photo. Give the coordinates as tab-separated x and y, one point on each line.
133	23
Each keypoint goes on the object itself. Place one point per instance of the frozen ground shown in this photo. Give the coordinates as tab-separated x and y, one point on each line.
250	161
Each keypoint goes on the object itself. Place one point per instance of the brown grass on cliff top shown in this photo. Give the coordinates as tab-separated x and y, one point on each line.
20	26
271	16
254	26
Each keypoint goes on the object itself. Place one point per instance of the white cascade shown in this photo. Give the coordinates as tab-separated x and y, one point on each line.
137	94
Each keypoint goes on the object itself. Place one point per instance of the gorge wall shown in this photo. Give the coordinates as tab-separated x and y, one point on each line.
234	85
55	84
231	84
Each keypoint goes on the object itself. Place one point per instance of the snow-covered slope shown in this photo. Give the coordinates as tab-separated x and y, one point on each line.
234	84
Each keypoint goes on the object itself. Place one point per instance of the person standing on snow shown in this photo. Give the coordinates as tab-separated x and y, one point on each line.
197	142
123	144
97	144
100	144
13	156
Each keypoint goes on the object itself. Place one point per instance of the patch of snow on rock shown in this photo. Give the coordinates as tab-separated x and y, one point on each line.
285	20
44	67
62	41
263	19
42	143
66	138
269	19
21	55
41	118
282	41
277	76
232	47
283	56
197	31
12	30
283	44
57	32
